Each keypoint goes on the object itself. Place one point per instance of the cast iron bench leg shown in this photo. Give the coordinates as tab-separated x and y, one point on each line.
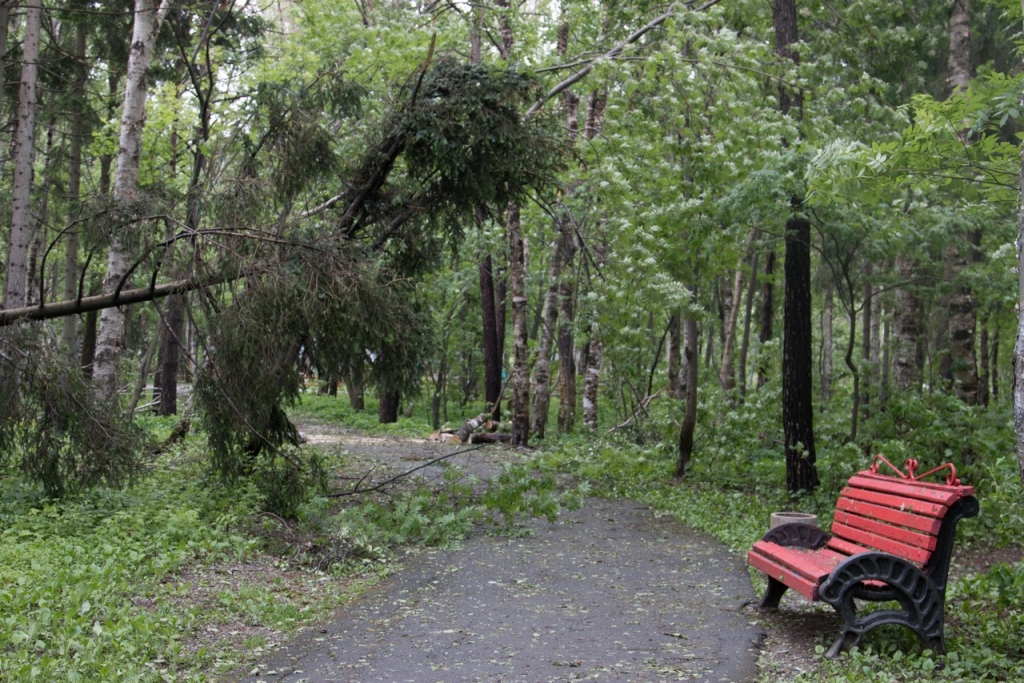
773	594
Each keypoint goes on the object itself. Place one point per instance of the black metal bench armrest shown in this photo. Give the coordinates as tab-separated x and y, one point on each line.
797	535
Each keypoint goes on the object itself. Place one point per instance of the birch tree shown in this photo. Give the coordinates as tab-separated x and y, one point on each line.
16	285
148	18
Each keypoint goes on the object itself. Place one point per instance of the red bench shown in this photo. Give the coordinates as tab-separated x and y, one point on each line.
892	537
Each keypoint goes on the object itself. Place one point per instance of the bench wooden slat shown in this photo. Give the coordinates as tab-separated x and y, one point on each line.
895	533
944	497
886	545
844	547
895	502
928	525
805	562
804	586
962	490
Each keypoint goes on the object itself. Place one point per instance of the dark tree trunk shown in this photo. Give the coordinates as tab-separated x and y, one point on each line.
689	425
983	356
89	336
865	348
797	401
492	354
797	362
170	351
675	356
390	403
994	363
747	315
767	316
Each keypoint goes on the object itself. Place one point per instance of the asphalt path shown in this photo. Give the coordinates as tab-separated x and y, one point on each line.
610	592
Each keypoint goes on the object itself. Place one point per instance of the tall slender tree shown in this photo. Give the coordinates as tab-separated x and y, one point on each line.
147	20
16	285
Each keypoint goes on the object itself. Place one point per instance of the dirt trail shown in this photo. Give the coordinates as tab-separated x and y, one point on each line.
609	592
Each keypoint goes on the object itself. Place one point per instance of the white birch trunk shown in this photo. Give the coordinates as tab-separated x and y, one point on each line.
520	324
542	368
149	15
16	284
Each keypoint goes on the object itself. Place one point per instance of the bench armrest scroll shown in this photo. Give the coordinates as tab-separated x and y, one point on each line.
797	536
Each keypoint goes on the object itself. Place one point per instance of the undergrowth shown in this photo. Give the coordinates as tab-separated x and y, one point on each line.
120	585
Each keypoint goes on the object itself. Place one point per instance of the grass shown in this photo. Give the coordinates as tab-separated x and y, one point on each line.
120	585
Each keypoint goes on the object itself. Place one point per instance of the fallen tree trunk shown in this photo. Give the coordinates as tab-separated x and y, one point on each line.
471	425
490	437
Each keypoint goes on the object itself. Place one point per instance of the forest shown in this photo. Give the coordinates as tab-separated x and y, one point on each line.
712	256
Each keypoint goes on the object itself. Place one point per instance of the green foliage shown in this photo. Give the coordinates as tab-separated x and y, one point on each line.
52	426
82	581
520	490
286	480
417	518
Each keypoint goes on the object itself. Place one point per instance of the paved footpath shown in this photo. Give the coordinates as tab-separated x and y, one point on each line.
609	592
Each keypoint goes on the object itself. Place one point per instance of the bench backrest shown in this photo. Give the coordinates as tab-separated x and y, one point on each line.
898	516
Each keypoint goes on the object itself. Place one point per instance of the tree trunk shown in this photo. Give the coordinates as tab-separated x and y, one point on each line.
983	356
994	363
875	362
492	357
905	321
592	378
542	367
686	430
144	363
35	281
767	316
520	314
883	393
867	312
69	333
727	375
354	388
146	26
566	351
855	373
959	45
797	402
962	321
747	315
961	314
826	344
16	285
1018	349
675	355
387	410
5	22
170	352
797	362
